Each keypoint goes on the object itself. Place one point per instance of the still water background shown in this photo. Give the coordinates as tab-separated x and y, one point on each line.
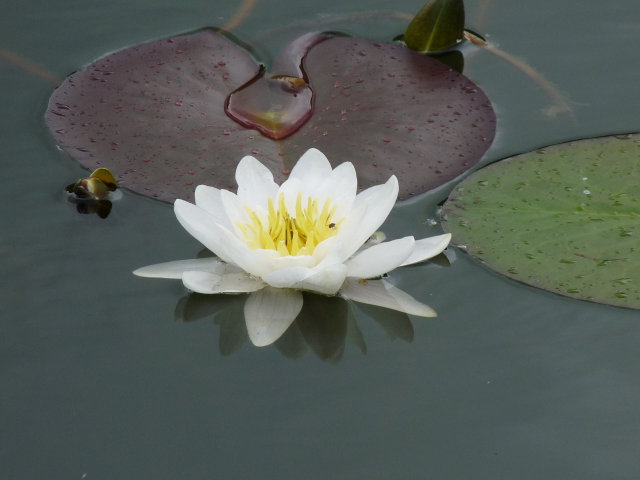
98	381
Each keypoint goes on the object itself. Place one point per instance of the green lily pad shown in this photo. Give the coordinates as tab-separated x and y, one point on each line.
564	218
437	26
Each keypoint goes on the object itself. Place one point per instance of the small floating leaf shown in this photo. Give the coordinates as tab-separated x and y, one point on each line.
437	26
106	177
97	185
89	188
94	193
564	218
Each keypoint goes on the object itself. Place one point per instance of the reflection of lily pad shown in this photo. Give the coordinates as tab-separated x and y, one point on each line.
564	218
154	113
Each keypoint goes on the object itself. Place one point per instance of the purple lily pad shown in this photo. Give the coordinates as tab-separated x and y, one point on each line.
155	113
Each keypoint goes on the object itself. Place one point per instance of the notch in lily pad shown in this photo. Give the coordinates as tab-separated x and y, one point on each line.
438	26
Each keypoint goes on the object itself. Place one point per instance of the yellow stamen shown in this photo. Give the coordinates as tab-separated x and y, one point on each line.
288	234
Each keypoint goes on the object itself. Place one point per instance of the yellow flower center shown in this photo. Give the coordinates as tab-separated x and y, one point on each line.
296	233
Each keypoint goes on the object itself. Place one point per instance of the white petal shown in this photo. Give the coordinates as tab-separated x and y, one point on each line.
253	262
383	294
426	248
379	259
208	198
330	246
287	277
211	283
237	213
325	279
202	226
340	244
227	245
176	268
340	186
255	182
234	208
269	312
375	203
311	168
379	194
260	262
290	189
221	241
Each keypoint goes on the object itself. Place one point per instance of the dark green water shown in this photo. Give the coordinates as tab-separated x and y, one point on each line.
98	381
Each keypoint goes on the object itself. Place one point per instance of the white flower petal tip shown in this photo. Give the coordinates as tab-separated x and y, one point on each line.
383	294
255	182
269	312
427	248
312	158
208	198
379	259
177	268
311	169
371	208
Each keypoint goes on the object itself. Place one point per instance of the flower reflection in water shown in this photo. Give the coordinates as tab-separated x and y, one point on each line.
324	326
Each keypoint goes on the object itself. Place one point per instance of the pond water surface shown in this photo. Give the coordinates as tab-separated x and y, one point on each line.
98	379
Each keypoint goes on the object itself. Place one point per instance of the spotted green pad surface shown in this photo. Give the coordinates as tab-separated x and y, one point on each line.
564	218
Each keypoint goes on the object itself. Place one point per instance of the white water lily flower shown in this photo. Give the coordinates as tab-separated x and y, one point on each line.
310	233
